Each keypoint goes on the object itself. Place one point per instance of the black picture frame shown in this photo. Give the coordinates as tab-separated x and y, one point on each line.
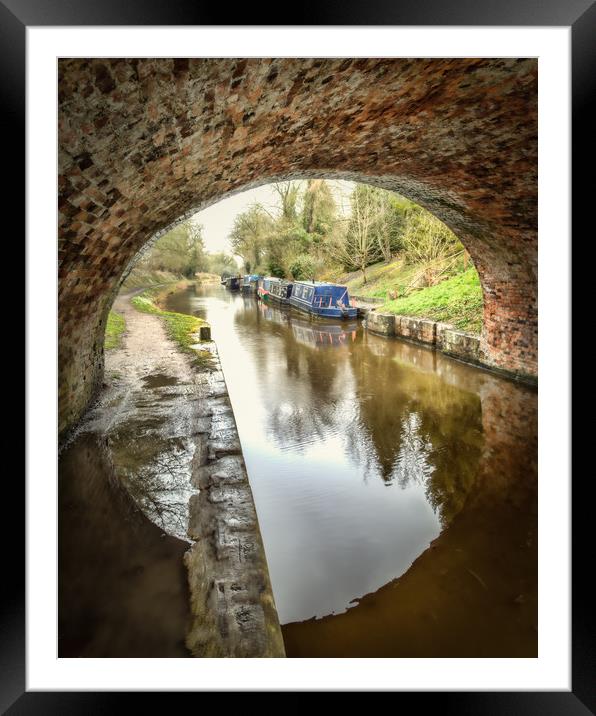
580	15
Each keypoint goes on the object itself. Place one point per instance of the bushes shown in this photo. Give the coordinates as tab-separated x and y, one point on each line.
303	268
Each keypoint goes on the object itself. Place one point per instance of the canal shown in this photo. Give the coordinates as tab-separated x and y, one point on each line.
396	488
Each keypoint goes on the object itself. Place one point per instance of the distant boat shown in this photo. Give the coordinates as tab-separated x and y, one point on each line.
326	300
233	283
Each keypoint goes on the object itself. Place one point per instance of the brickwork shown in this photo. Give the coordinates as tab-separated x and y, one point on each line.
143	143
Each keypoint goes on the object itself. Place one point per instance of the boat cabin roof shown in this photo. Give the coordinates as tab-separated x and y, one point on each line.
333	287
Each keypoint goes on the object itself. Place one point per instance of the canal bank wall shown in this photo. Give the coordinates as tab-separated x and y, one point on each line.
463	346
232	605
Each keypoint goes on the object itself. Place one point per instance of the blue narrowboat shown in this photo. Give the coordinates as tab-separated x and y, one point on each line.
249	283
280	292
326	300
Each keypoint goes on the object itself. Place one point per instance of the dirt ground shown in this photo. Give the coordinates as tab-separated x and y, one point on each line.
146	349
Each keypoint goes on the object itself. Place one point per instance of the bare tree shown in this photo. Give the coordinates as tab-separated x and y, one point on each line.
288	192
429	243
356	245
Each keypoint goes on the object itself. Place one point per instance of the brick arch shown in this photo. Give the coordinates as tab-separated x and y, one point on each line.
145	142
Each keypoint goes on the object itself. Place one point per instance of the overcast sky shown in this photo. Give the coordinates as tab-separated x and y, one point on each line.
217	220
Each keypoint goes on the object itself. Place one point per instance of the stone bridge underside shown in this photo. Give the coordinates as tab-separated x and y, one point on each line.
143	143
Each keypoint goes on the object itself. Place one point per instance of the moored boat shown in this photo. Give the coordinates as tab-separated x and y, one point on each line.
326	300
233	283
280	291
264	287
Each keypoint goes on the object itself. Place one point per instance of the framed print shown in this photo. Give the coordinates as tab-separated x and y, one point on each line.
287	419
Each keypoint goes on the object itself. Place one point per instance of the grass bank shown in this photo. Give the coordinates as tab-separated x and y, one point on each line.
182	328
457	300
381	279
203	277
114	329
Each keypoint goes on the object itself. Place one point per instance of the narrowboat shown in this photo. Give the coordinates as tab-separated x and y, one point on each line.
325	300
249	283
233	283
264	287
281	291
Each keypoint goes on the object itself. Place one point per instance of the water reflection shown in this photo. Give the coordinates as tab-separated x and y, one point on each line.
140	605
407	426
362	453
474	593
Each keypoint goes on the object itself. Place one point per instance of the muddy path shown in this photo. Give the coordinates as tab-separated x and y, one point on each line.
146	350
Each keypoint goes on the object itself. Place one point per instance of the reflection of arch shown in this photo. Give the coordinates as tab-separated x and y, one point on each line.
474	592
143	582
144	142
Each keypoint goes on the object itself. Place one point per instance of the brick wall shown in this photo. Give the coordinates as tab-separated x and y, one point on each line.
145	142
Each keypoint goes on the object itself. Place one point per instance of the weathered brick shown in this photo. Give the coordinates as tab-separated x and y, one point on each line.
458	136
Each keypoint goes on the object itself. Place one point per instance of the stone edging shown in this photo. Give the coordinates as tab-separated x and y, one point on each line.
441	336
232	606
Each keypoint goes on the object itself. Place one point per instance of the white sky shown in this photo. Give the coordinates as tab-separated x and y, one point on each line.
218	219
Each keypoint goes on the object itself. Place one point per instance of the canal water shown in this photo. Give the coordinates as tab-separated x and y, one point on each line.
396	488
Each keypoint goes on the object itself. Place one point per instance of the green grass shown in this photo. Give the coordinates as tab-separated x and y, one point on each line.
457	300
114	330
181	327
382	278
